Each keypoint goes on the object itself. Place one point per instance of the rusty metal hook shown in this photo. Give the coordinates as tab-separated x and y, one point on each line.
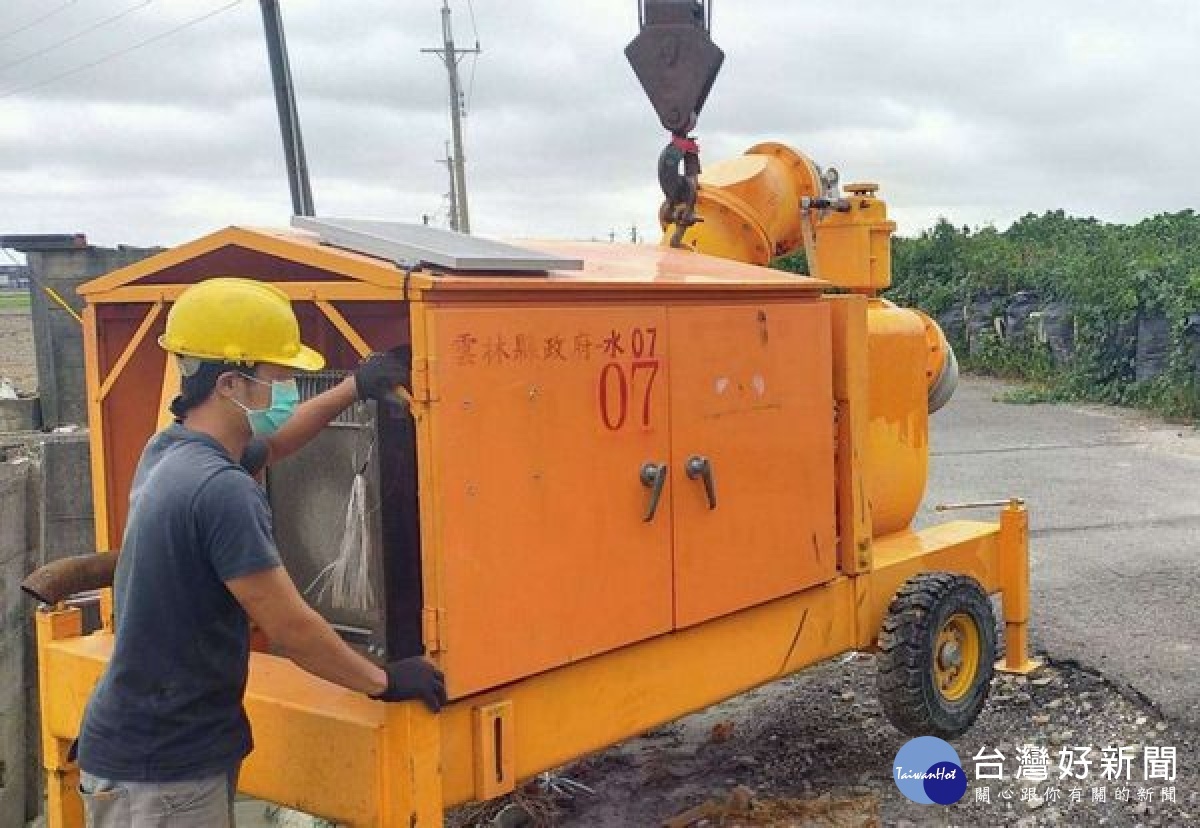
679	188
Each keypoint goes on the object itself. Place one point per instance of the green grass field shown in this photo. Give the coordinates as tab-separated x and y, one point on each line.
14	300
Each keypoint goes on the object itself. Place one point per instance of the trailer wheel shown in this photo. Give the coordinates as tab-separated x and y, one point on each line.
937	648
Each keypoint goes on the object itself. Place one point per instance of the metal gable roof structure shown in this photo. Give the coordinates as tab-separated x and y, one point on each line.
286	256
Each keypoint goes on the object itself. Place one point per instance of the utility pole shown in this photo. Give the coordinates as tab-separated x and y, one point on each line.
450	168
450	57
285	102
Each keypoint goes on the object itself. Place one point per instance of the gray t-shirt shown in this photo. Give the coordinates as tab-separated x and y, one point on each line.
169	706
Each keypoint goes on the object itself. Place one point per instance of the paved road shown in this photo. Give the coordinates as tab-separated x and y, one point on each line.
1114	499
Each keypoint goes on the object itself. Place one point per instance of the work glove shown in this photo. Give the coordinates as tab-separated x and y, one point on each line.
414	678
378	375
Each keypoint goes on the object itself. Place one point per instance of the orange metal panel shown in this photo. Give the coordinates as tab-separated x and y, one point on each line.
543	419
312	719
751	391
848	315
64	809
128	412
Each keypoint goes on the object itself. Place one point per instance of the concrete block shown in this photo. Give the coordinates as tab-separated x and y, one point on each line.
14	641
58	338
21	414
60	510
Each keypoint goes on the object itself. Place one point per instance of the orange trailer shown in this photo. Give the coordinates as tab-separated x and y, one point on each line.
641	480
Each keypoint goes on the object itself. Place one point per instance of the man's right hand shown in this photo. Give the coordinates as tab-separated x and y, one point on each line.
414	678
378	375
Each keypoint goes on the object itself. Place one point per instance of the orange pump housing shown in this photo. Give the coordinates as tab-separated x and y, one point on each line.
764	204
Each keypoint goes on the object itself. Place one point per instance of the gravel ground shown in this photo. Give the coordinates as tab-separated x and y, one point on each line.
16	349
821	737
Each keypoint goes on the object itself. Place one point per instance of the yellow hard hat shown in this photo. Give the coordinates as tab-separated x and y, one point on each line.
237	320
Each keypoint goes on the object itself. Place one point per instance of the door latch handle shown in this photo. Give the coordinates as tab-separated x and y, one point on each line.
700	466
654	478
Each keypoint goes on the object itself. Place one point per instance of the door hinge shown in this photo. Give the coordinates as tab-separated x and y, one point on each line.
423	380
433	620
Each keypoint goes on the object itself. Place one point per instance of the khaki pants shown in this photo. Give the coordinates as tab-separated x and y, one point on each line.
194	803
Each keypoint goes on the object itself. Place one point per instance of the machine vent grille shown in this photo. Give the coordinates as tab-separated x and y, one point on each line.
318	382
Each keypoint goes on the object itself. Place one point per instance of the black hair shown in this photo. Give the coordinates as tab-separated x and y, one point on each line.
196	387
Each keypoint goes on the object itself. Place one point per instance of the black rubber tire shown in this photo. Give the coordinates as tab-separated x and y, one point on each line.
907	689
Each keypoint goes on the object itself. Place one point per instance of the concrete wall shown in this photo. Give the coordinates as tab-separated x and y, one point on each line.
63	523
58	339
45	514
14	628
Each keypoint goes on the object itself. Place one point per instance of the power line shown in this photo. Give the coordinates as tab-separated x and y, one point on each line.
471	85
474	58
37	20
121	52
474	28
105	22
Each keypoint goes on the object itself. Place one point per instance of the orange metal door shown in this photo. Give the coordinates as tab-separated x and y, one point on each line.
752	408
543	420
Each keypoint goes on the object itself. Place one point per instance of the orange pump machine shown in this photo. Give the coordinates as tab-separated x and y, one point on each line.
633	481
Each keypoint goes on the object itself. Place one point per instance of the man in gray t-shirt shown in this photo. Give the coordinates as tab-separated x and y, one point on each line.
165	732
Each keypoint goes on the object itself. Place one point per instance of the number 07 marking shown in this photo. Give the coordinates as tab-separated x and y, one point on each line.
615	387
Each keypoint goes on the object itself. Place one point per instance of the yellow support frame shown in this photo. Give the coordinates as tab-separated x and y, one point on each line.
135	342
399	766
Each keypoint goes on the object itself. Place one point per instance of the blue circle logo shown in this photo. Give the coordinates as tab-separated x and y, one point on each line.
927	771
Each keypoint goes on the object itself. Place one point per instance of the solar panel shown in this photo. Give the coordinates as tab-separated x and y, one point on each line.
411	244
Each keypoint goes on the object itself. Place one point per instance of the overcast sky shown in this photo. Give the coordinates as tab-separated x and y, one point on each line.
975	111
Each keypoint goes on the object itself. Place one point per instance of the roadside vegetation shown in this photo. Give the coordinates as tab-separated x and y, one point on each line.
1080	309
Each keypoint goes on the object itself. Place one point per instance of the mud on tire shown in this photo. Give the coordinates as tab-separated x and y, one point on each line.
937	648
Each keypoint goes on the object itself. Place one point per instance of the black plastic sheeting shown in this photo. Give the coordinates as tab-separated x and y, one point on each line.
1115	352
953	322
1153	347
981	314
1191	341
1058	331
1016	316
1049	323
1137	348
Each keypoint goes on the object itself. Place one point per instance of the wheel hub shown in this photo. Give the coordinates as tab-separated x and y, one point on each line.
950	655
956	656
